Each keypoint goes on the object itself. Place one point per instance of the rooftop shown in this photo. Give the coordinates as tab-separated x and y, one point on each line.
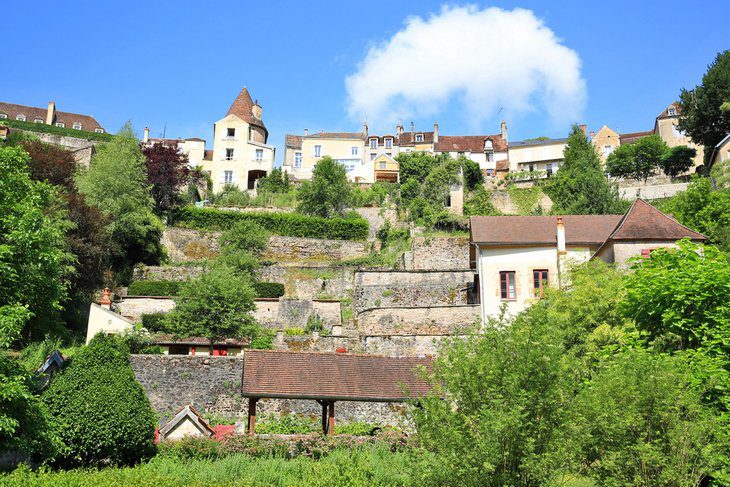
536	230
531	142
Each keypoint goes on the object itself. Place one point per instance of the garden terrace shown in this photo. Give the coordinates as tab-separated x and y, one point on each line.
327	378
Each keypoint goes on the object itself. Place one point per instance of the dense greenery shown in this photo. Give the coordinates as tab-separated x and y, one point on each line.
268	289
167	174
154	288
98	411
580	187
328	193
288	224
645	156
276	181
52	129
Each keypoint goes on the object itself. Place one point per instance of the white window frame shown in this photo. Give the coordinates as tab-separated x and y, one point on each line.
77	126
20	118
372	156
354	151
259	155
607	150
60	124
99	131
317	151
297	159
227	177
676	132
39	120
388	143
373	142
671	111
419	137
3	115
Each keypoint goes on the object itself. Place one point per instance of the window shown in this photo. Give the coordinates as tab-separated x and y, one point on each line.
372	156
297	159
60	124
676	132
38	120
549	169
229	154
355	151
228	176
317	151
3	115
461	153
607	150
77	126
373	143
230	132
489	172
671	111
383	165
259	155
419	137
507	288
539	281
490	156
532	167
99	131
388	143
21	118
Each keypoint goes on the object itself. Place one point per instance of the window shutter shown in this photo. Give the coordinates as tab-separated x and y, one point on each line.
223	177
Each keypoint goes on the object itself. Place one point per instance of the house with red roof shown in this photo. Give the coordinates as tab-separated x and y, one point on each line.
517	257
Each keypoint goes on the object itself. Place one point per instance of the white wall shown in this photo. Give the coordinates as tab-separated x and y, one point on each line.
106	321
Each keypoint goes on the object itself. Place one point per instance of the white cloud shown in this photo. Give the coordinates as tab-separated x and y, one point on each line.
480	59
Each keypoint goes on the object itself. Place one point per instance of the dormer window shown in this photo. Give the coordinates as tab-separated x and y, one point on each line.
77	126
671	111
20	118
99	131
60	124
419	137
388	143
488	145
374	143
38	120
3	115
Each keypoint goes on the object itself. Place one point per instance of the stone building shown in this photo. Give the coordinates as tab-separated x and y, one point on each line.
541	155
50	116
486	150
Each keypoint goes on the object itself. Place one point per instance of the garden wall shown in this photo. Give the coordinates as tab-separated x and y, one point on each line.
311	282
434	320
438	253
166	273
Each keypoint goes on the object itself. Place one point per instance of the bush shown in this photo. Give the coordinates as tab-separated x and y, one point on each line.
263	341
287	224
232	196
268	289
52	129
153	322
153	288
98	410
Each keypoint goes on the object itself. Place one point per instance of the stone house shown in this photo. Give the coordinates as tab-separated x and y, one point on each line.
50	116
516	257
543	155
486	150
719	163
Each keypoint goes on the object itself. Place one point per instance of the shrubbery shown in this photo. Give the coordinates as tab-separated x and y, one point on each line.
99	412
154	288
268	289
287	224
52	129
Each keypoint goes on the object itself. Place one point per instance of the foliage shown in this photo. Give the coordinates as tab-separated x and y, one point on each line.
52	129
314	323
473	176
580	187
244	236
437	185
480	203
703	210
116	182
415	166
328	193
268	289
263	341
139	341
410	190
295	331
154	288
701	116
50	163
288	224
153	322
677	160
215	305
98	410
167	174
34	258
525	199
232	196
375	195
276	181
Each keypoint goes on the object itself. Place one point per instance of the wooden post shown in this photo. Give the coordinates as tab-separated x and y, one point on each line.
252	416
324	416
331	420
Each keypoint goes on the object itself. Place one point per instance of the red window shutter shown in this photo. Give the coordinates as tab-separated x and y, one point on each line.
192	350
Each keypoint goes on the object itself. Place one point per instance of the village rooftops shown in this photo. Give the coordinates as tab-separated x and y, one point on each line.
536	142
536	230
87	123
632	137
469	143
332	376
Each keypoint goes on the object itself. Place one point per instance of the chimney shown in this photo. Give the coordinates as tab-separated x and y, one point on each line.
51	115
592	134
256	110
413	132
503	130
364	130
561	236
583	128
106	300
435	132
306	132
146	135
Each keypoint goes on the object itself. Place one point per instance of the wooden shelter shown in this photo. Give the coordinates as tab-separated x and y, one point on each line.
328	378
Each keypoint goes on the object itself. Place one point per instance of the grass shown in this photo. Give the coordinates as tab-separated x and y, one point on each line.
352	467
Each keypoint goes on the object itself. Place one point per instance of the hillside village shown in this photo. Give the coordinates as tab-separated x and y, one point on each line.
317	288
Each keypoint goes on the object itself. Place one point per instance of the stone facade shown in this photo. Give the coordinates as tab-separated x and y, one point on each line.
165	273
435	320
438	253
650	192
185	245
133	307
82	149
376	217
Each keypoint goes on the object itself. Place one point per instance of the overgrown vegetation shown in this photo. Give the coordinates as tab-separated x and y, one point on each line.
52	129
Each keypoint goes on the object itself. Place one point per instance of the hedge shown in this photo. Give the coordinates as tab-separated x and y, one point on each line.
52	129
153	322
269	289
154	288
286	224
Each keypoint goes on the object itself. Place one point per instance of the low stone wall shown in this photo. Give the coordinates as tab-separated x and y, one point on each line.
309	282
165	273
650	192
403	346
82	149
133	307
390	289
377	217
435	320
438	253
185	245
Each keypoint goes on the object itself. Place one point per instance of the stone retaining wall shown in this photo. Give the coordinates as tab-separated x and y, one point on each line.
310	282
438	253
650	192
166	273
435	320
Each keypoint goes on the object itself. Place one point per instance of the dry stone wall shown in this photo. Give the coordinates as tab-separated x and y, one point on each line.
438	253
166	273
311	282
435	320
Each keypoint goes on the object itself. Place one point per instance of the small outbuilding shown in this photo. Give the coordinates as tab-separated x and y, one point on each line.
186	423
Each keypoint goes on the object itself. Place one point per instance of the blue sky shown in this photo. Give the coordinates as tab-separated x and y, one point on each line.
181	64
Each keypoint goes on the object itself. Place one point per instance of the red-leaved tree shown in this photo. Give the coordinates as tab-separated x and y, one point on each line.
167	173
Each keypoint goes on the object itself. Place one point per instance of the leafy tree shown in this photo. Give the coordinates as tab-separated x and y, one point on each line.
241	246
167	173
51	163
638	160
580	187
480	203
437	185
276	181
34	257
415	166
98	409
473	176
701	116
117	184
677	160
410	190
328	193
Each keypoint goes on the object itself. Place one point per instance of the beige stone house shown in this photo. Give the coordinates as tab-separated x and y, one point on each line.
544	156
486	150
516	257
719	163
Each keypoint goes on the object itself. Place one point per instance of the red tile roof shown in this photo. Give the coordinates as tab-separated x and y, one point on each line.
666	114
293	141
632	137
335	135
644	222
409	138
469	143
88	123
243	108
534	230
332	376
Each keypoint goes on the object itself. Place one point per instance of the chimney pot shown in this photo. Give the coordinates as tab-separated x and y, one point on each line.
503	130
106	300
583	128
146	135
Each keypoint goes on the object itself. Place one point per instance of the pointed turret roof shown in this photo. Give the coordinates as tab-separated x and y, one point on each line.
243	108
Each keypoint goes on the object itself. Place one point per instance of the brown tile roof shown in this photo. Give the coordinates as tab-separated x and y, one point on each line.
332	376
534	230
243	108
167	339
632	137
335	135
88	123
293	141
666	114
644	222
409	138
469	143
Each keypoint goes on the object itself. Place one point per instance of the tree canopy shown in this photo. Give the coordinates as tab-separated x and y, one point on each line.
328	193
167	173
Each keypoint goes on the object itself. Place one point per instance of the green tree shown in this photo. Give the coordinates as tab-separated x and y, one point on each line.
579	186
638	160
241	245
34	258
415	166
677	160
480	203
116	182
437	185
701	115
473	176
276	181
98	410
328	193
